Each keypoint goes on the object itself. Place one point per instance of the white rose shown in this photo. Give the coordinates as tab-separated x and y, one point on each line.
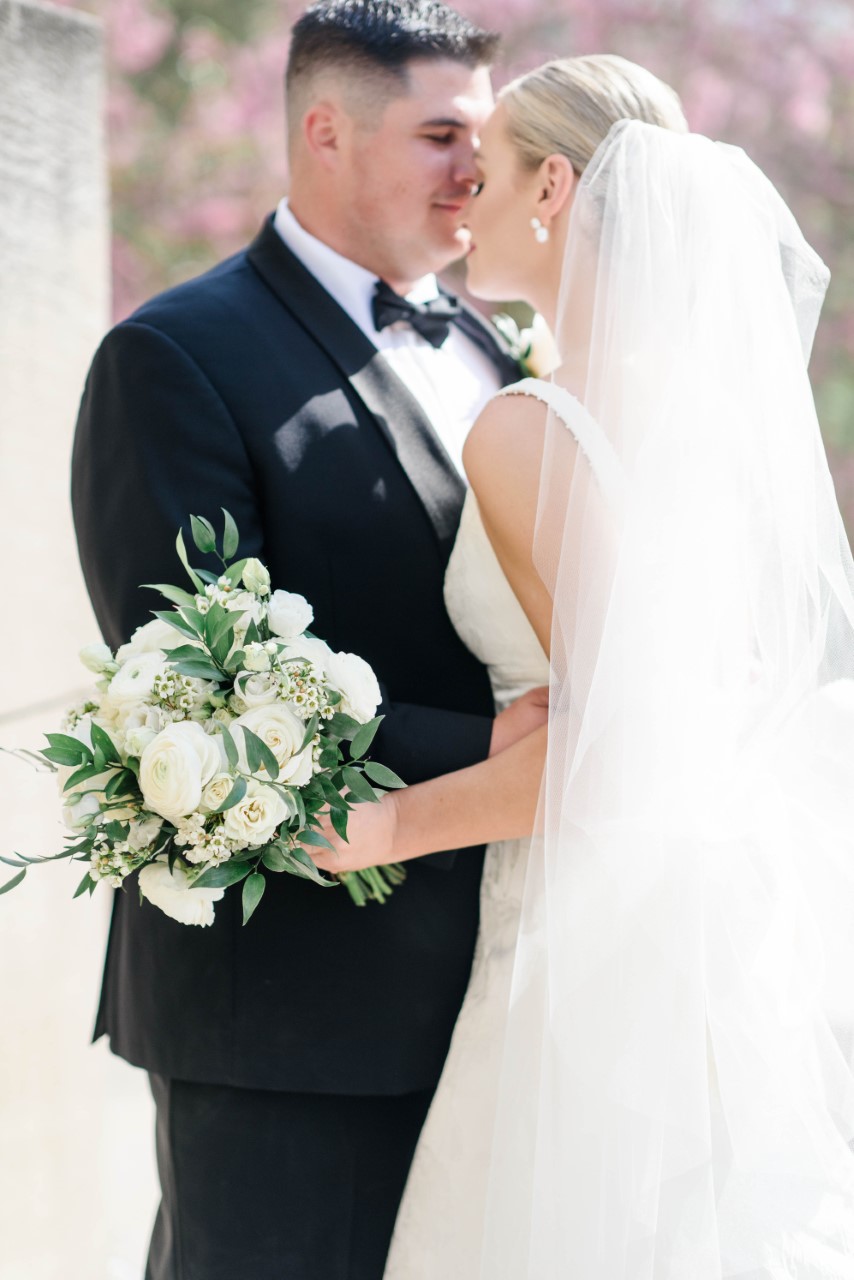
256	658
152	637
134	680
256	578
355	681
172	893
543	356
175	767
97	658
283	732
255	819
256	689
244	602
216	791
288	614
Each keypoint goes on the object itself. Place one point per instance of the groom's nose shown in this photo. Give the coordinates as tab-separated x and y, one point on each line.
464	170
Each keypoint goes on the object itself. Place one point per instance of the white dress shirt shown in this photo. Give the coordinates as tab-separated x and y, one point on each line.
451	383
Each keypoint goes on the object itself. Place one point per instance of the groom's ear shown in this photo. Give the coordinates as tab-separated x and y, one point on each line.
557	182
323	126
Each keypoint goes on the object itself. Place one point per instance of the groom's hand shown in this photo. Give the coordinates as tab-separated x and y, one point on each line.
522	717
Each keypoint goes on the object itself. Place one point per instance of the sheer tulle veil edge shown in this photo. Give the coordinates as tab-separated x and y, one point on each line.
677	1098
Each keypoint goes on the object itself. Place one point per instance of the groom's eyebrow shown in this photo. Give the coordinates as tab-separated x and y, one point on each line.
443	122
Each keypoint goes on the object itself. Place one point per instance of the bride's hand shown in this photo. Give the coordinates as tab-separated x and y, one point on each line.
371	834
527	713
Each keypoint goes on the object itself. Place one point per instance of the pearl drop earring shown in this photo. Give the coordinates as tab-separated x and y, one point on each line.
541	233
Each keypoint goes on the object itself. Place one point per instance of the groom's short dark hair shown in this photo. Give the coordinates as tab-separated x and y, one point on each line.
377	39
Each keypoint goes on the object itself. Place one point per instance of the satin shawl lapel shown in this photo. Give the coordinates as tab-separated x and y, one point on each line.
394	409
491	342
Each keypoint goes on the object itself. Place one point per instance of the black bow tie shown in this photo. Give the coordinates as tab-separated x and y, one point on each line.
431	319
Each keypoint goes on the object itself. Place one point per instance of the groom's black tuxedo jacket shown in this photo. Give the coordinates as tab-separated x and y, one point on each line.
250	389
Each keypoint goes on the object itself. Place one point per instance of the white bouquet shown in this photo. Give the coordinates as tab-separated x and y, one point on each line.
212	743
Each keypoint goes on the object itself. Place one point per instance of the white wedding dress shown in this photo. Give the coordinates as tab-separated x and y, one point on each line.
439	1228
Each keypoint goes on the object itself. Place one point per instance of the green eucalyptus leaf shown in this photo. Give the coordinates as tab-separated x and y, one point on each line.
253	892
203	534
359	785
343	726
301	864
221	877
231	753
314	838
253	635
234	572
176	620
86	884
16	880
338	818
230	536
195	619
198	669
274	858
182	556
383	776
65	742
365	736
310	731
259	754
176	594
235	795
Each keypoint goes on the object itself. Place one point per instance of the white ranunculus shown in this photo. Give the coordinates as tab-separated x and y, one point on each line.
288	614
134	680
152	637
176	766
216	792
97	658
256	577
256	689
355	681
255	819
283	732
172	893
311	650
543	356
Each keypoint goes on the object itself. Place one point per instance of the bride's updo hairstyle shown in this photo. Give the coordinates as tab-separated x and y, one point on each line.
568	106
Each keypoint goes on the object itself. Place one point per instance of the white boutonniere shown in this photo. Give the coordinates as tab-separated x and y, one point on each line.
534	348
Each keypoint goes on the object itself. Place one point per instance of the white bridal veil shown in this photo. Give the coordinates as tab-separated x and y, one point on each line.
677	1098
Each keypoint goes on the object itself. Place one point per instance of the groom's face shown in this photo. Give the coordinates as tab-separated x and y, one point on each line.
409	172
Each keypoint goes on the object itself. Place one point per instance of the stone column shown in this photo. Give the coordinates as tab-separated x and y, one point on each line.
77	1189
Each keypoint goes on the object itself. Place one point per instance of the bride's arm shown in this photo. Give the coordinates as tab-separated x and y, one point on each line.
496	799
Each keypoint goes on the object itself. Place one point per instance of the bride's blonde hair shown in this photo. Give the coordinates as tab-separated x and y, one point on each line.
567	107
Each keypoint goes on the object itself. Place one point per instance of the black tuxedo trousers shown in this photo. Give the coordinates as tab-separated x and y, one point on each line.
250	389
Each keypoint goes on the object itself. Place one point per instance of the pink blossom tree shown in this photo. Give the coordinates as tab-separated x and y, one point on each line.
197	145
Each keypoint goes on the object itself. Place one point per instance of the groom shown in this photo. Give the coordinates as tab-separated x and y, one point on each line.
293	1061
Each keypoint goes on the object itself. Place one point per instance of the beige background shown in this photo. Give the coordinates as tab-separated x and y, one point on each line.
77	1184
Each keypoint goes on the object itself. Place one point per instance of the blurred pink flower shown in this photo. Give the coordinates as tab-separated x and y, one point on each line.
139	34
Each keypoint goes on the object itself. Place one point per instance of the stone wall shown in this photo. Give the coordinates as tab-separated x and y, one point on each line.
77	1190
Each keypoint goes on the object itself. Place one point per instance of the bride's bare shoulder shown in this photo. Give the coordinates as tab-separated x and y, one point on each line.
505	446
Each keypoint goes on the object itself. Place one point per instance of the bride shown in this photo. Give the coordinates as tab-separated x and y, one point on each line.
651	1076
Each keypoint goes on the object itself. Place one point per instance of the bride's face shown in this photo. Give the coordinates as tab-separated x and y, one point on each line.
505	259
